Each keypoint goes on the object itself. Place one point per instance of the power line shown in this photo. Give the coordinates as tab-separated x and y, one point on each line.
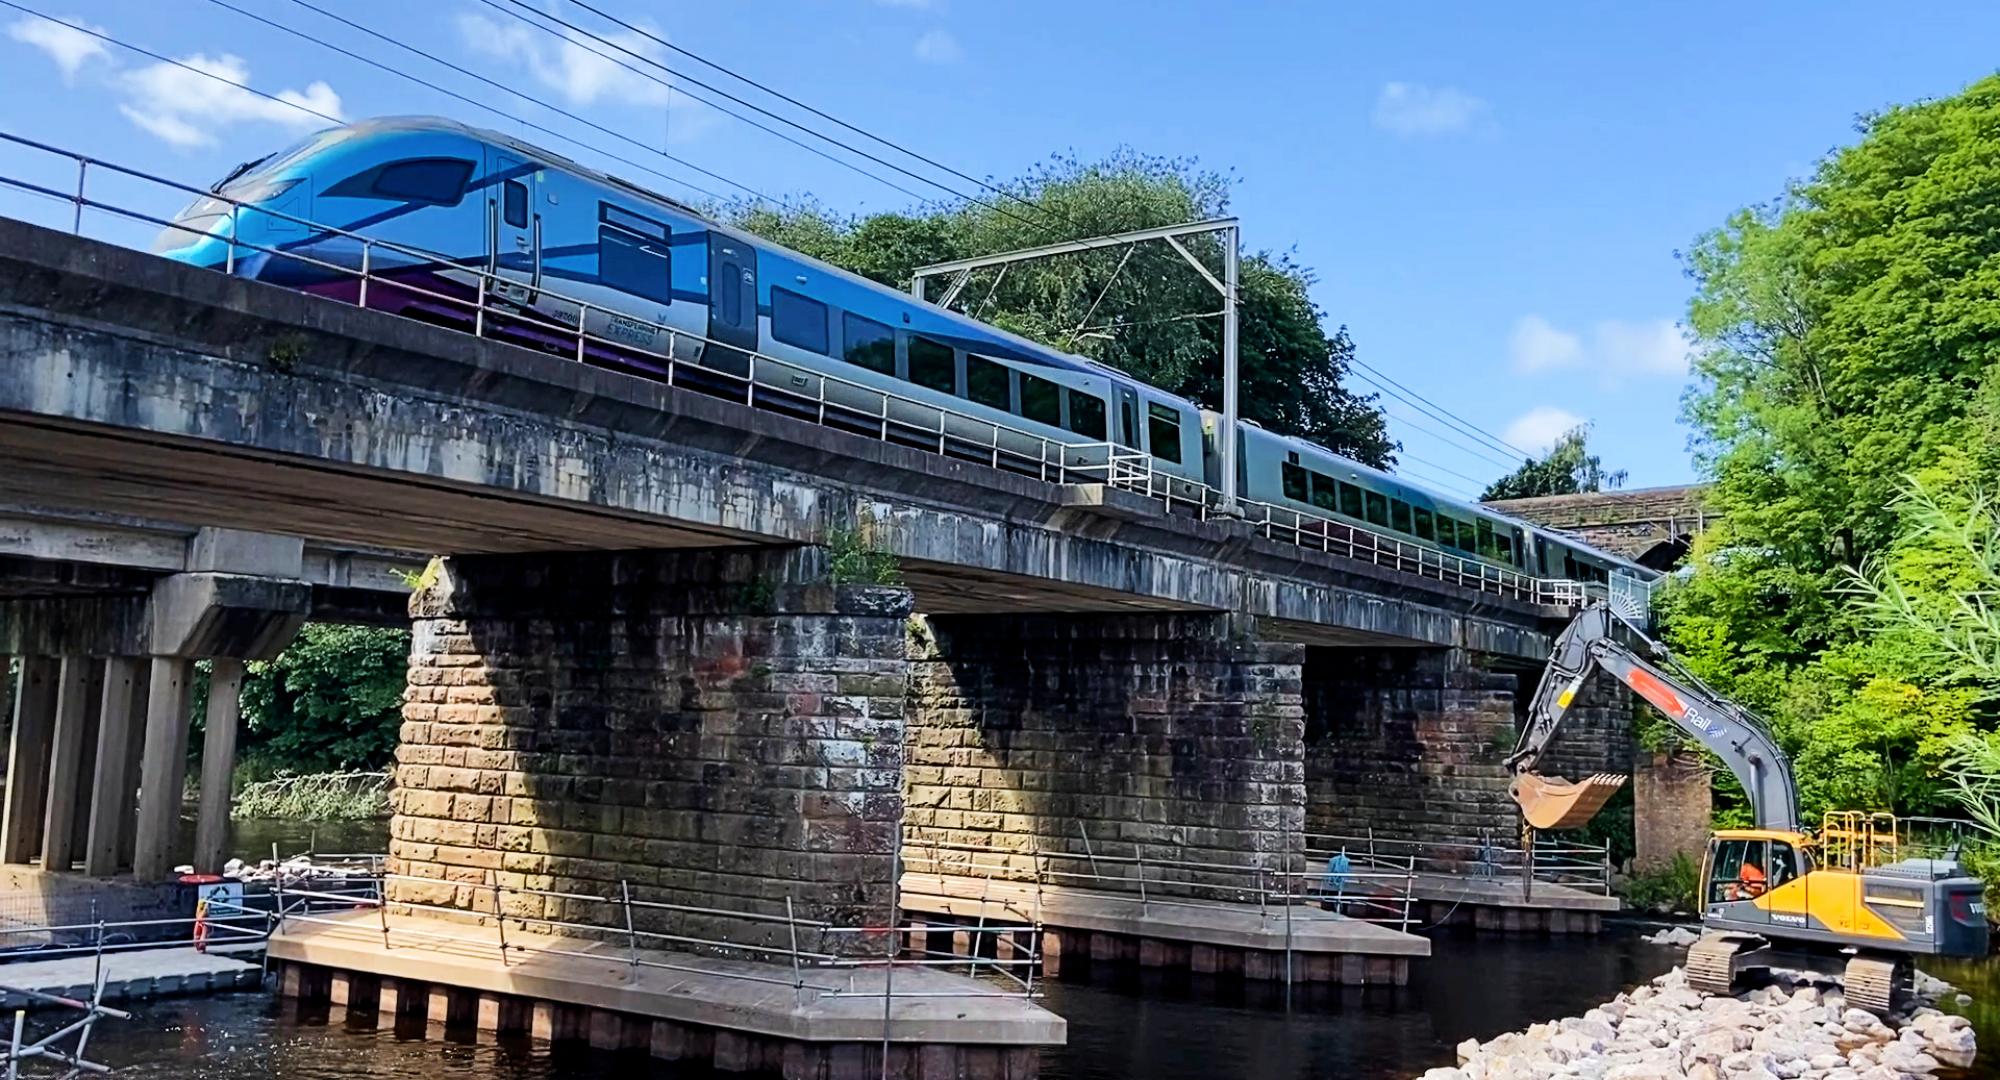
718	107
1479	450
1444	469
1448	416
142	51
495	110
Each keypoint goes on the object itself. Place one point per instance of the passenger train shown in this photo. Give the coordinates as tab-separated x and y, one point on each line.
645	278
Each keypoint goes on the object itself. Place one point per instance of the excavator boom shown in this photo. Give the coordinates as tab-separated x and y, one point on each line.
1600	640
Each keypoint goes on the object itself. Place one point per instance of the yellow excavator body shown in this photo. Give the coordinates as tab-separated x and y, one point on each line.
1550	802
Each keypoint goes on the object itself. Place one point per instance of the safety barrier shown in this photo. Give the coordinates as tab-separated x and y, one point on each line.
1552	860
1380	893
820	958
495	306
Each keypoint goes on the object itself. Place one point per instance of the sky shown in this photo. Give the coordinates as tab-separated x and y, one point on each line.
1491	195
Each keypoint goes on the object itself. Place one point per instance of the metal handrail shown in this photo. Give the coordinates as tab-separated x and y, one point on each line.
1557	862
1050	459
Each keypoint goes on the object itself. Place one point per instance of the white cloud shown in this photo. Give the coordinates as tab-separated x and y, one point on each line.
1413	109
581	71
66	44
187	108
1613	349
1538	429
938	47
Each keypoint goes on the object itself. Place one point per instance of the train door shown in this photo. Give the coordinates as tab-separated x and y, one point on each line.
732	305
1128	418
516	228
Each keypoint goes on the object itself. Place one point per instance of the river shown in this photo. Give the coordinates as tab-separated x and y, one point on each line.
1124	1023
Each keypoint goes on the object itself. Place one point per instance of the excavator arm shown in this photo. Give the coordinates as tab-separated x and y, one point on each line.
1600	640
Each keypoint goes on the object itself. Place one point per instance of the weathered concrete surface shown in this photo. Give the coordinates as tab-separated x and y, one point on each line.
134	385
130	976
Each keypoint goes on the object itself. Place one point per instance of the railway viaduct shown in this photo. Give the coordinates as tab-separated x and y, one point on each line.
661	645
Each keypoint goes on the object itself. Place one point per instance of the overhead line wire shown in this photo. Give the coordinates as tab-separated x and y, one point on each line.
455	95
1495	441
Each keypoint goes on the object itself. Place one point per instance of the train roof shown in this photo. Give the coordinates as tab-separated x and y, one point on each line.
1058	358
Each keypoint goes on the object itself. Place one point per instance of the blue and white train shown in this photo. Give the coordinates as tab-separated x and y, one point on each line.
646	277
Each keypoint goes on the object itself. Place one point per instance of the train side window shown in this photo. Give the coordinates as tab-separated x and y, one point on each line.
869	344
987	383
1425	526
1468	538
1295	481
933	365
1163	432
1350	500
1399	515
1128	416
439	181
634	264
1486	547
1504	548
514	203
798	321
1086	413
1378	508
1041	400
1323	491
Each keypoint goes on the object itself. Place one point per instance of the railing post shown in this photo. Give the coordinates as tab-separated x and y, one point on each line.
631	936
366	246
76	225
888	989
479	309
499	916
582	334
229	261
1142	883
1288	920
798	981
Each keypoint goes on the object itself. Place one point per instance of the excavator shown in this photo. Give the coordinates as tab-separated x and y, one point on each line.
1860	897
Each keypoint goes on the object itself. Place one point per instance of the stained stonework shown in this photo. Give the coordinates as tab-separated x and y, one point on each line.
1671	805
719	729
1169	737
1408	742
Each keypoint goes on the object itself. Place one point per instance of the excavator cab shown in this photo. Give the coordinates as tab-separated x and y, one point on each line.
1748	864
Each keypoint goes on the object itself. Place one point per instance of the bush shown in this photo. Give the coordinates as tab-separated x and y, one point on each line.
1668	890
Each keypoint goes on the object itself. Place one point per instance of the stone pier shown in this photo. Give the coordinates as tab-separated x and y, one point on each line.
717	734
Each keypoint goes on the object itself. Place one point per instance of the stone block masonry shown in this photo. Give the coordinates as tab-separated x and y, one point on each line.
721	729
1171	737
1407	742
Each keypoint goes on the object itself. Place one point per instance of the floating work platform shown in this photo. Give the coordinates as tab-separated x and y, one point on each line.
730	1015
1501	904
129	975
1209	937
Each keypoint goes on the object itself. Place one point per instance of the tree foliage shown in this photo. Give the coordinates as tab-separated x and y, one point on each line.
1847	409
331	701
1138	308
1568	468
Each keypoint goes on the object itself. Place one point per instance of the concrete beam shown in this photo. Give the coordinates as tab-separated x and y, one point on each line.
163	770
114	774
28	759
206	614
79	693
218	764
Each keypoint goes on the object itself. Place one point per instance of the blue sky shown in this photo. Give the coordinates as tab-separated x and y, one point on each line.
1491	194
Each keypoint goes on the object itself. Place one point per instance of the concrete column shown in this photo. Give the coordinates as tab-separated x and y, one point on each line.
218	764
135	753
163	770
79	833
76	712
28	759
1671	804
113	780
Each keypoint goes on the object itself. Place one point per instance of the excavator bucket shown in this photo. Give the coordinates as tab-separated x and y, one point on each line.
1550	802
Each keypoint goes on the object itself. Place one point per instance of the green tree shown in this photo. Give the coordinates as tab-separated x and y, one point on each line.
1848	348
1568	468
331	701
1137	309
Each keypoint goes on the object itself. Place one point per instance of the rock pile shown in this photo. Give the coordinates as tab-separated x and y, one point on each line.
1797	1028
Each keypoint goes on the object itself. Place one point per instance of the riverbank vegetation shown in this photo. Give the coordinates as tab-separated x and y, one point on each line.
1847	410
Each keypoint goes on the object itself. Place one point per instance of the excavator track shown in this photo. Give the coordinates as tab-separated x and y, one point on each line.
1879	984
1711	962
